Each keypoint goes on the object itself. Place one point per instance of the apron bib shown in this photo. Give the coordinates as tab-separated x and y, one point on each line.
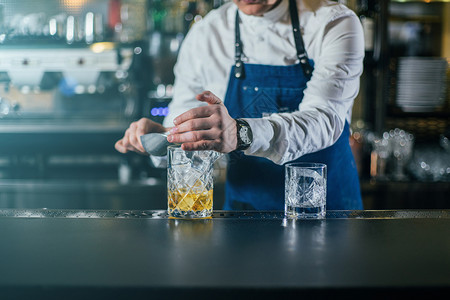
255	91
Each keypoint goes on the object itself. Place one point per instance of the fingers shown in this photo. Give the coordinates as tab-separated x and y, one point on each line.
209	98
194	136
203	111
205	128
134	137
131	140
202	145
191	125
194	113
120	147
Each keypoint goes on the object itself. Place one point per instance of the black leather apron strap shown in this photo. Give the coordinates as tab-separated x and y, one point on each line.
301	52
238	65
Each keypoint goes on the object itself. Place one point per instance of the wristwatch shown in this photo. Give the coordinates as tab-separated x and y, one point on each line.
244	135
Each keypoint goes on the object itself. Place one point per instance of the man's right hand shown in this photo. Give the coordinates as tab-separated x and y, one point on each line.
131	140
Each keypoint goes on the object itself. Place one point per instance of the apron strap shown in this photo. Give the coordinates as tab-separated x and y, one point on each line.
239	66
301	52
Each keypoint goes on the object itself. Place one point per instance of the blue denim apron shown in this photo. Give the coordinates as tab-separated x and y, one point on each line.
256	90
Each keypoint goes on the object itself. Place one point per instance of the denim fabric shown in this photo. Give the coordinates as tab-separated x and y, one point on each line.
258	183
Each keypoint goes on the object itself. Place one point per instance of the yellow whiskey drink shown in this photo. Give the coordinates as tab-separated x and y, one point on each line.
190	183
184	203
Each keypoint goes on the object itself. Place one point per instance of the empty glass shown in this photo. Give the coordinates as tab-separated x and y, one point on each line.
305	190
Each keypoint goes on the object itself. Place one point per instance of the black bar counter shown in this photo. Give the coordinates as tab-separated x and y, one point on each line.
104	254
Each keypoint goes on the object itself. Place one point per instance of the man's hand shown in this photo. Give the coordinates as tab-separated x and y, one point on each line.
206	127
131	141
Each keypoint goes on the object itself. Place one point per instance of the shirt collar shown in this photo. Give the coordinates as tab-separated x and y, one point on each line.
271	16
278	12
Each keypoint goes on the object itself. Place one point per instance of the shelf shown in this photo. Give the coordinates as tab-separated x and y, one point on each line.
397	112
417	18
423	1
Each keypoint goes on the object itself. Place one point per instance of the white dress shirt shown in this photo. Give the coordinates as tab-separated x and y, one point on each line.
333	38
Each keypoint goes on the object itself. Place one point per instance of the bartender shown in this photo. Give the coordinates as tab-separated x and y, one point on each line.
270	82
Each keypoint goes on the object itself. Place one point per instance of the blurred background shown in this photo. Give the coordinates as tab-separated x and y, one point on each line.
75	73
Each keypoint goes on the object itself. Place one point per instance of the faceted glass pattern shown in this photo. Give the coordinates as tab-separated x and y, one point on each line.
305	190
190	183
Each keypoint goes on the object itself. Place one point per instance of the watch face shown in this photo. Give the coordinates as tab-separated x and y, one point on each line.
244	135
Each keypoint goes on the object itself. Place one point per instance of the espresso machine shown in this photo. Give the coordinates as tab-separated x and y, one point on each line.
73	76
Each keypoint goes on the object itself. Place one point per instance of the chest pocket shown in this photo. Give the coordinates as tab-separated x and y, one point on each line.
263	101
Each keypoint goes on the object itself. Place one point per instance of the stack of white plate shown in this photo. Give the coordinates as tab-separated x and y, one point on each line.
421	83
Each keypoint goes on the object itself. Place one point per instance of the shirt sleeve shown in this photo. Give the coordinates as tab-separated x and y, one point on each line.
187	85
327	102
188	77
